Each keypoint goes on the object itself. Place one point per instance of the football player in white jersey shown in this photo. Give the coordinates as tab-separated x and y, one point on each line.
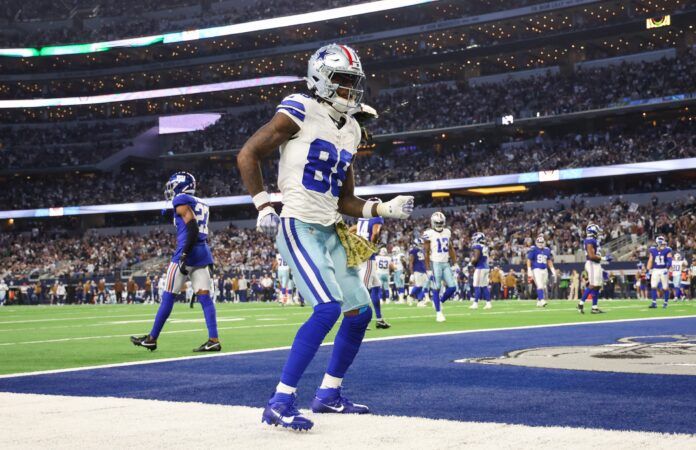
678	266
283	272
318	136
370	229
397	259
383	267
439	254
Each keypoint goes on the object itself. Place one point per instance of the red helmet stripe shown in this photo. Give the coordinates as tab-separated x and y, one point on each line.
347	52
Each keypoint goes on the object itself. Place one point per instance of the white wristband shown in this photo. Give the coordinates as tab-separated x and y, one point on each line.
367	209
261	199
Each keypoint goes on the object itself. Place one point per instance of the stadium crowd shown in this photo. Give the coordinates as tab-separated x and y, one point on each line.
667	140
509	227
121	17
415	108
449	104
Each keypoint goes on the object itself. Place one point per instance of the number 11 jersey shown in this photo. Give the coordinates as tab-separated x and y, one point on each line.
314	162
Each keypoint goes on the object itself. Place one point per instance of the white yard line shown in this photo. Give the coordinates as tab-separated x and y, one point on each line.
378	339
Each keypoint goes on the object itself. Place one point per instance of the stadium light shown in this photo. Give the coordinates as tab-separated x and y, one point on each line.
139	95
226	30
498	190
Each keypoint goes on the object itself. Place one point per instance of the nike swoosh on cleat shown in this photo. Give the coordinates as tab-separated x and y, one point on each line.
286	420
212	346
333	408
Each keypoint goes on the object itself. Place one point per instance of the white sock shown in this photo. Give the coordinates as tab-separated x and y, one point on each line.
330	382
285	389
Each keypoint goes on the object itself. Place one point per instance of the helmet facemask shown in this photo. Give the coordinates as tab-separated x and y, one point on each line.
346	89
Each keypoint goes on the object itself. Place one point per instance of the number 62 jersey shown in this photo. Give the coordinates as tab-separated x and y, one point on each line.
314	162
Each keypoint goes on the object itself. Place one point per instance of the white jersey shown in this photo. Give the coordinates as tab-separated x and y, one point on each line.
678	266
282	265
397	261
439	244
313	164
382	264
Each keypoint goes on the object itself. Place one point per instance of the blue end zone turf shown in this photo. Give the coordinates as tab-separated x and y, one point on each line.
417	377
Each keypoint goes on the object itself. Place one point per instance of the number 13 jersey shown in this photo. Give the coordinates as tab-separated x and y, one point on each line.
314	162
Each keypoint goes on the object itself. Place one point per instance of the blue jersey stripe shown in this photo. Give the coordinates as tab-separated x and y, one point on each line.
292	111
293	230
293	104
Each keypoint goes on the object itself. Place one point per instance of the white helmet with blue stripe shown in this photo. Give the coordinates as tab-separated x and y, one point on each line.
335	75
540	241
180	183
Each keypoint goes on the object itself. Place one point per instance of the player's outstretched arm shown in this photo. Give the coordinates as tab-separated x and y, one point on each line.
400	207
258	147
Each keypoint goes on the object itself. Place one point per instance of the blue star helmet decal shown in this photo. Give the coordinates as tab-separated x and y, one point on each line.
322	54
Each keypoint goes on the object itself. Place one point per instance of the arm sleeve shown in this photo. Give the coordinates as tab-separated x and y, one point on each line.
191	236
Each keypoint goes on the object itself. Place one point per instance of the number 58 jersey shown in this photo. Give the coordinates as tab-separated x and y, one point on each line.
314	162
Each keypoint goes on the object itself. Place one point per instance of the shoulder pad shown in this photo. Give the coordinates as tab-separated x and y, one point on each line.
183	199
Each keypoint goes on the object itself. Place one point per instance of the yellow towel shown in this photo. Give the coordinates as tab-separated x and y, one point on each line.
358	249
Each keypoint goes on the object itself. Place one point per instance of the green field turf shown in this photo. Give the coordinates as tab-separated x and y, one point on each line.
53	337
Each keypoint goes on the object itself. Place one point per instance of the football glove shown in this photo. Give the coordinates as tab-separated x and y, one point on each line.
182	264
400	207
268	221
364	113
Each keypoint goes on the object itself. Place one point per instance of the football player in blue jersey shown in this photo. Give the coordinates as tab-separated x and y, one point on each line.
593	268
659	262
539	261
192	261
416	265
479	259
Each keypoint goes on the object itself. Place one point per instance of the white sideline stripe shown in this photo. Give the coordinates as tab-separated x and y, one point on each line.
86	338
61	422
424	313
326	344
79	317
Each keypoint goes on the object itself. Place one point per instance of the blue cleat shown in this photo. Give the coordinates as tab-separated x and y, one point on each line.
281	410
652	306
664	306
331	401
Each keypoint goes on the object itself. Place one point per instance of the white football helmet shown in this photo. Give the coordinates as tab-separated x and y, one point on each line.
396	250
677	256
437	221
540	241
383	251
335	67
